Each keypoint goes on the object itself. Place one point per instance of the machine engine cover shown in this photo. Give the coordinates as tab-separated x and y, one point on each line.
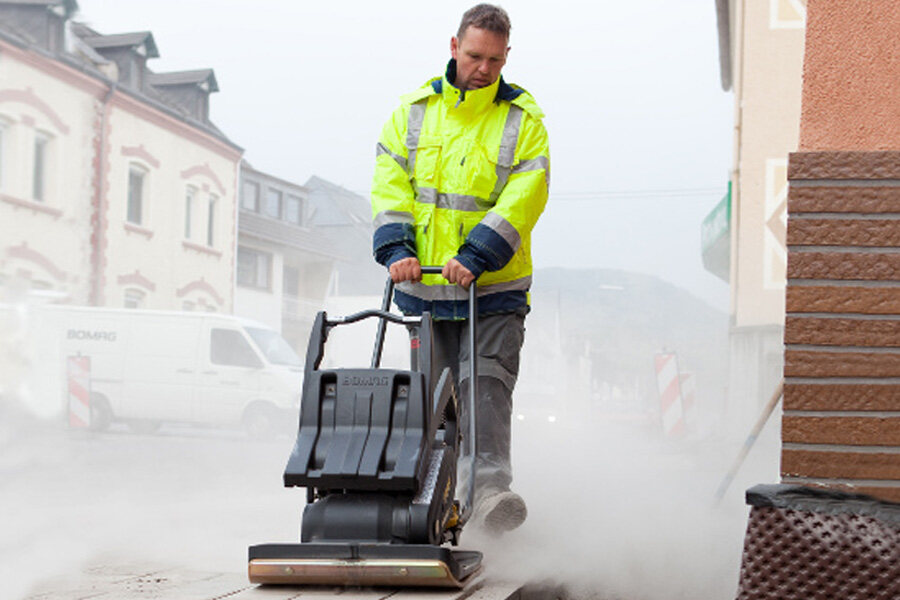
361	430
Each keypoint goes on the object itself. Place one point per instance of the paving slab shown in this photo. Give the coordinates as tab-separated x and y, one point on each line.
129	582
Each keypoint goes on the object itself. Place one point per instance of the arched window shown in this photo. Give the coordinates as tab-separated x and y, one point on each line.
137	194
189	195
211	221
40	166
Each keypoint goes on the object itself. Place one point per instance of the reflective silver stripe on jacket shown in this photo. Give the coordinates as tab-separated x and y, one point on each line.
432	293
387	217
507	152
533	164
382	149
413	130
461	202
503	228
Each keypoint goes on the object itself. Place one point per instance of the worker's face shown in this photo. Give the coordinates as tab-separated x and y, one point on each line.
480	55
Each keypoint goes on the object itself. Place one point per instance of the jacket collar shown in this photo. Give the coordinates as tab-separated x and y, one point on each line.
473	101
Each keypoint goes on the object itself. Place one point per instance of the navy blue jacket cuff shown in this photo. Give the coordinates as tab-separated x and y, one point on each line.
393	241
484	250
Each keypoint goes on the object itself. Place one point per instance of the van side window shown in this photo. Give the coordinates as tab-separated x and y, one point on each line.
228	347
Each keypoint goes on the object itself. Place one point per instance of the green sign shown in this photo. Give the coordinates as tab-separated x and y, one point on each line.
717	223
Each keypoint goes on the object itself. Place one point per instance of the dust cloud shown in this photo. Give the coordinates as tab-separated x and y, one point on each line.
616	511
76	503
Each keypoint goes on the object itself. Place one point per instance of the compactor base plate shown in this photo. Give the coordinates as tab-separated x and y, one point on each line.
362	565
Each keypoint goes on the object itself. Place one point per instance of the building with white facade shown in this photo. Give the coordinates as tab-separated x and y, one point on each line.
285	265
115	187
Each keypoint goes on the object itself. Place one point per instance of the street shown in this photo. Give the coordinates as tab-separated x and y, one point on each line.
181	497
171	514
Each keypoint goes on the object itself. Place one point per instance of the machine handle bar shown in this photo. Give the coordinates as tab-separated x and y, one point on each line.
381	314
385	314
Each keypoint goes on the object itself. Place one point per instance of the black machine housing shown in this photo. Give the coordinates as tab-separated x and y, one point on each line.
377	449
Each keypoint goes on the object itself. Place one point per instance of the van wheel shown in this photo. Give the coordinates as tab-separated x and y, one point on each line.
258	423
145	426
101	413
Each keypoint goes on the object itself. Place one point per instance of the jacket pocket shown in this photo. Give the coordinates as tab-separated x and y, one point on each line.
427	170
481	170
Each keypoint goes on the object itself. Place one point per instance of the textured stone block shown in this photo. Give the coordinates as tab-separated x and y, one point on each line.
810	363
841	332
873	266
843	199
843	232
852	396
850	299
840	465
852	431
844	165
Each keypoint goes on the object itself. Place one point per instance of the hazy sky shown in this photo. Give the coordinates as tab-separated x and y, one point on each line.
630	89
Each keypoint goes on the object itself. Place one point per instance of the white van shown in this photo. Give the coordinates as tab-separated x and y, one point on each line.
151	367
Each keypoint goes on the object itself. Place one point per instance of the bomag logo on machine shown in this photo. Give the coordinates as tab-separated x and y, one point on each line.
96	336
366	381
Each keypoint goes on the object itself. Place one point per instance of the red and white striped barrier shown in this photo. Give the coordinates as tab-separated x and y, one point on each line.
671	406
79	380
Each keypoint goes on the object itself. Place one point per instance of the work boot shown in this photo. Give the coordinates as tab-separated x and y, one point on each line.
501	512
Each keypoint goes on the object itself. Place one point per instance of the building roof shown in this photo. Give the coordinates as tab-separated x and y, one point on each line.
70	6
81	53
346	217
197	76
301	238
88	52
335	205
124	40
247	167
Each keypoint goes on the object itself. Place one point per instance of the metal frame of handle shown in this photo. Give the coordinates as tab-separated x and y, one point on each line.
385	315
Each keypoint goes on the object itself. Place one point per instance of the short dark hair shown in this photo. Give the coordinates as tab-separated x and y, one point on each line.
485	16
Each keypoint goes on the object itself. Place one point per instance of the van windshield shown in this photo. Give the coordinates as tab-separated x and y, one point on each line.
276	350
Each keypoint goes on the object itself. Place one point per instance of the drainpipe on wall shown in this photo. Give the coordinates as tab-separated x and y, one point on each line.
98	221
736	196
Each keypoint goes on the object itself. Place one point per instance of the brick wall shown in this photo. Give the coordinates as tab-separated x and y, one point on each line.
841	424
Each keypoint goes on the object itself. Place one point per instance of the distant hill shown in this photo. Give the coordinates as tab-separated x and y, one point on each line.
626	318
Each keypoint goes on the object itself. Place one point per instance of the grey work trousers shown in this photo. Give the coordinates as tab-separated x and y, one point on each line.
500	339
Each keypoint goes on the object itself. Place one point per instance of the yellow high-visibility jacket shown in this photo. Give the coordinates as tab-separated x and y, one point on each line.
465	175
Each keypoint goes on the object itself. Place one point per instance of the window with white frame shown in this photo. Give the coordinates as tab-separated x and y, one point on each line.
273	203
134	298
137	192
211	221
39	167
188	210
254	268
293	209
250	196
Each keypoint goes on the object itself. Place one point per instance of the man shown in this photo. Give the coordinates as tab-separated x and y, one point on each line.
461	177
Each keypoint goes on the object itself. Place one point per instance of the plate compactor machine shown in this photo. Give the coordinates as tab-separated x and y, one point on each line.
377	451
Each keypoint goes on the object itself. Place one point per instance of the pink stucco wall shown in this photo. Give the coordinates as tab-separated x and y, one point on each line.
851	76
